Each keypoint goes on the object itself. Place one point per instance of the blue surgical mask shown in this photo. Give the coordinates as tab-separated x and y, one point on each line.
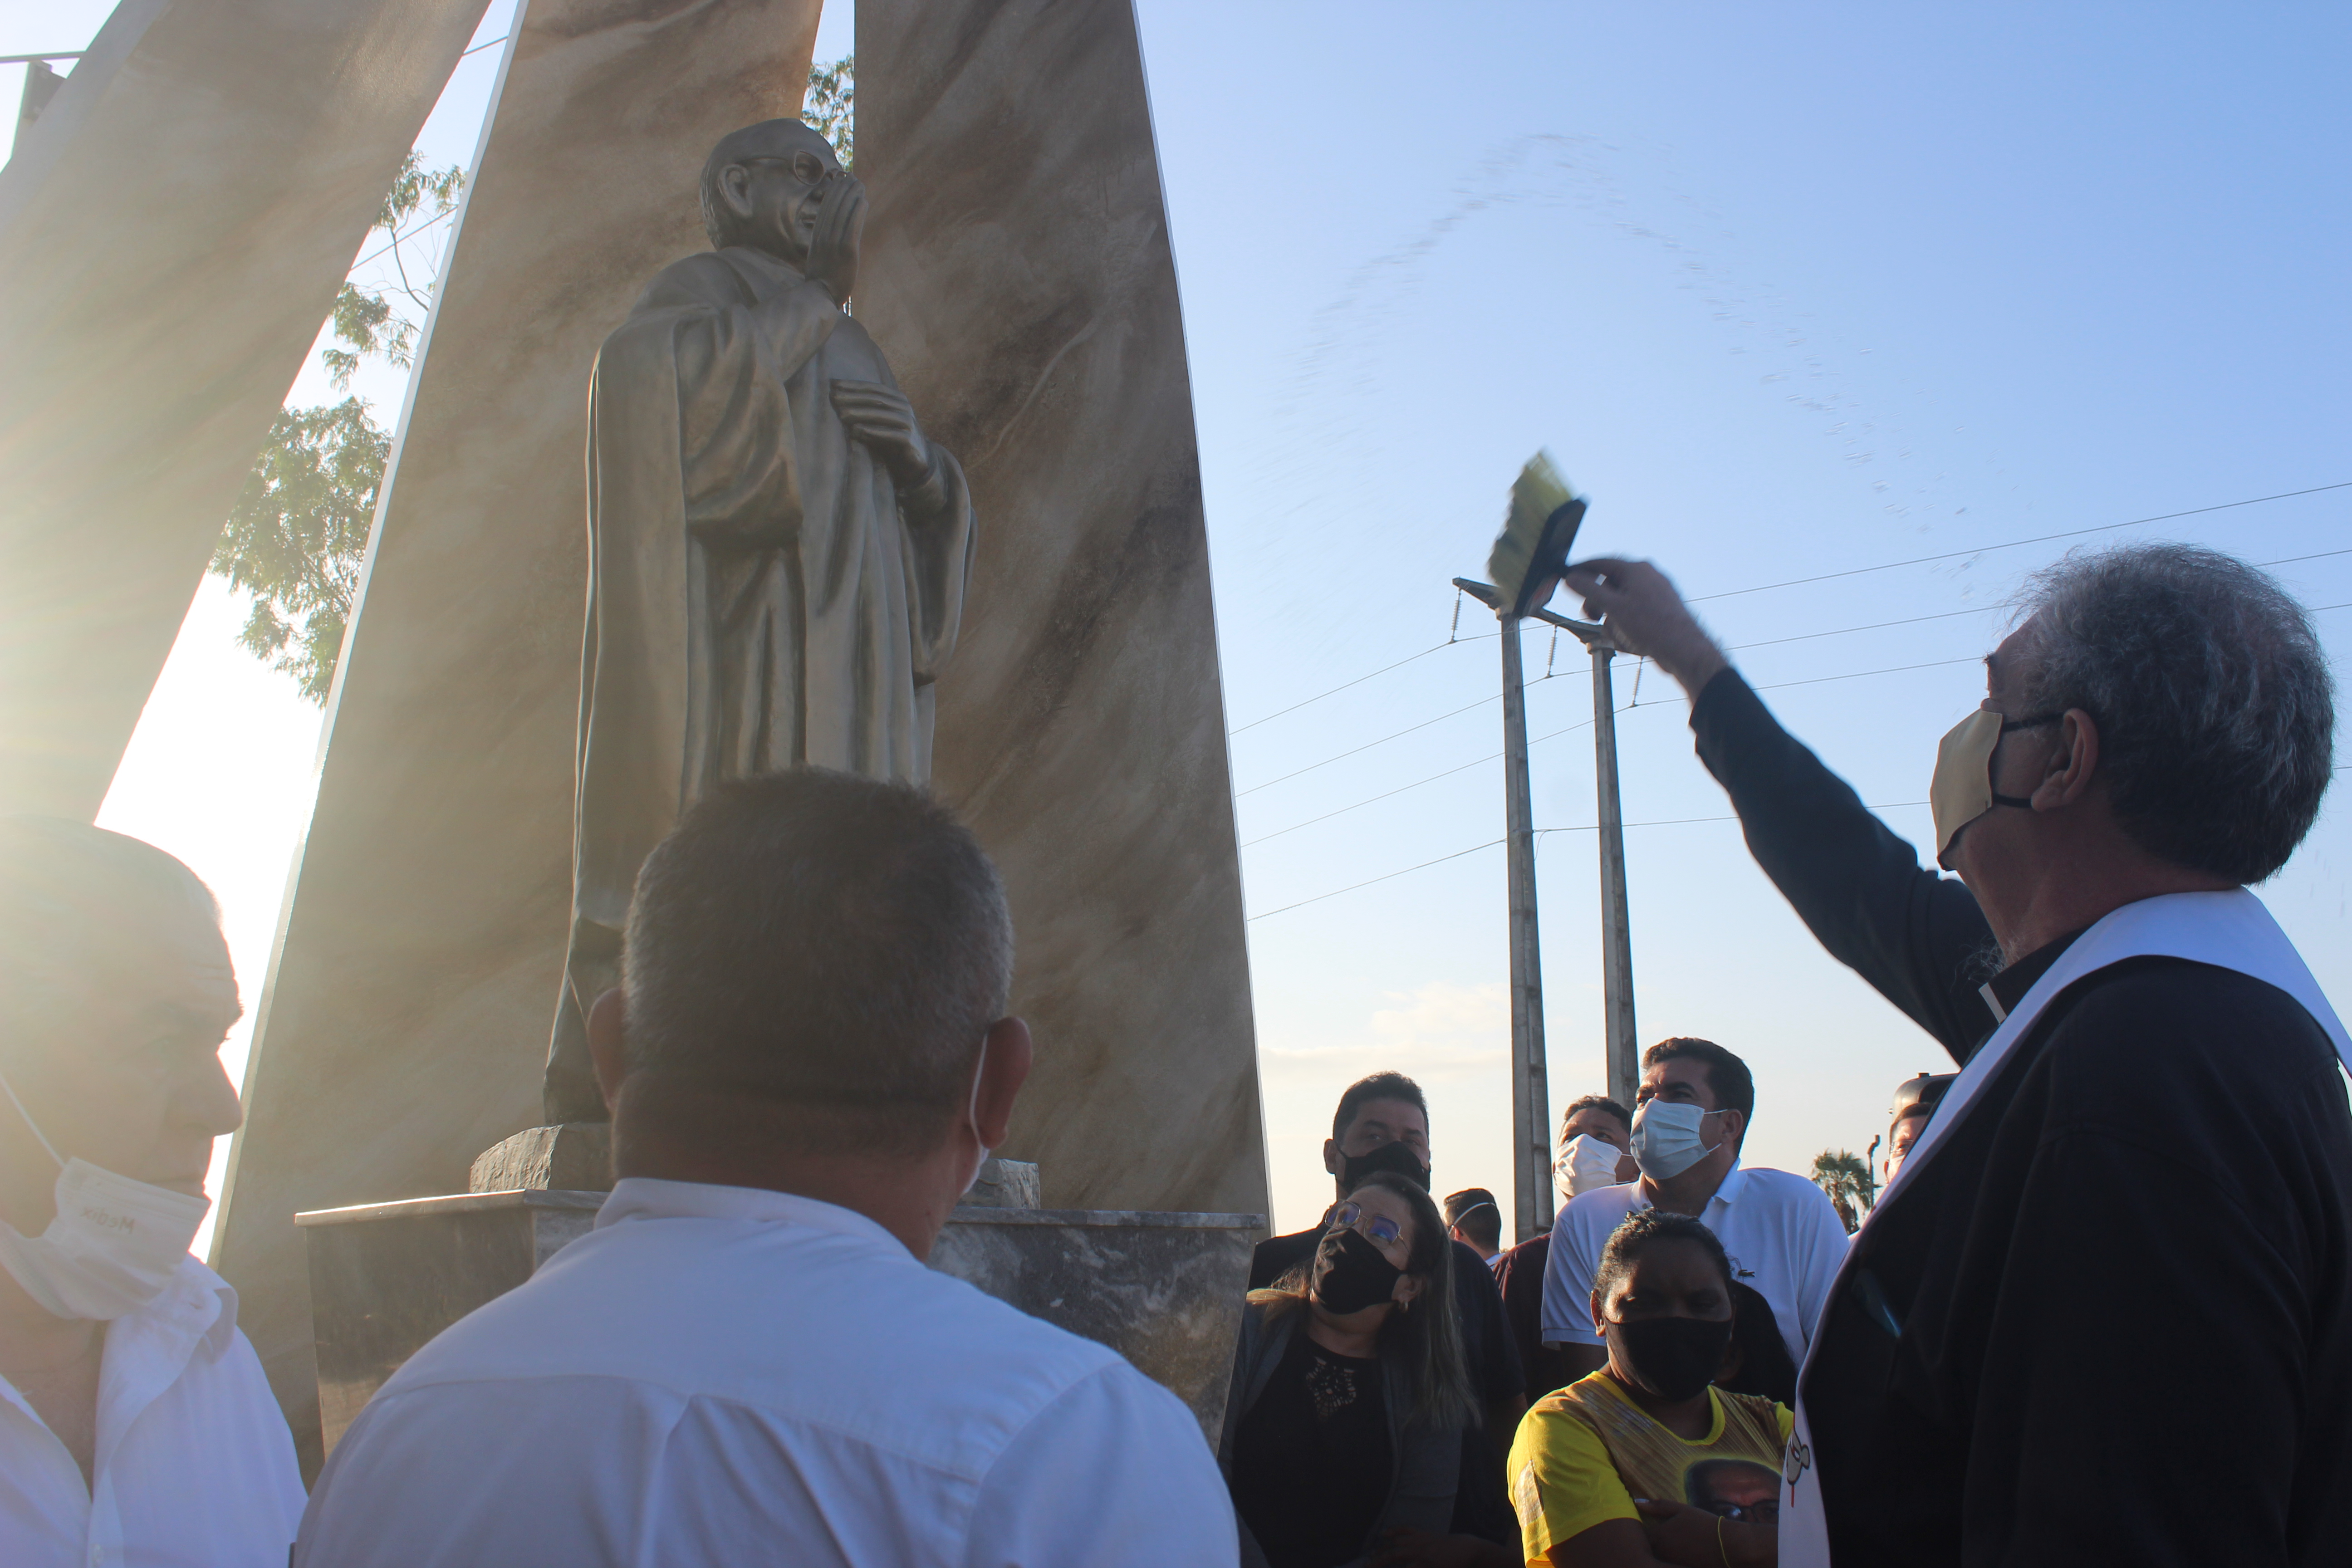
1666	1141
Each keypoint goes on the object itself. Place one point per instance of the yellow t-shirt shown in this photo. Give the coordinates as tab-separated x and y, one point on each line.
1585	1452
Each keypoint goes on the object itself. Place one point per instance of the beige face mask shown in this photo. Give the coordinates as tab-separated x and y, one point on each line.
1962	788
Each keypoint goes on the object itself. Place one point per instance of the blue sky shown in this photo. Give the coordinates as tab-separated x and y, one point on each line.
1788	291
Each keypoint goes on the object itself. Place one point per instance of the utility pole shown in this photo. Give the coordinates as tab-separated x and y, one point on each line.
1616	920
1530	1086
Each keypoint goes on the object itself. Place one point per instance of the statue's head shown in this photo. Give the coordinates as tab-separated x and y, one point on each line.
762	186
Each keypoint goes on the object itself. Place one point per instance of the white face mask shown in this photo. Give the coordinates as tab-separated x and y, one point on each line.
978	1067
112	1247
1666	1141
1584	1164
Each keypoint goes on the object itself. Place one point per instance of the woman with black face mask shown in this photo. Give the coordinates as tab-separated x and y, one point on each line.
1349	1396
1647	1461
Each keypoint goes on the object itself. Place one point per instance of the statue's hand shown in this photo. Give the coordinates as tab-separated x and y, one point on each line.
882	420
840	228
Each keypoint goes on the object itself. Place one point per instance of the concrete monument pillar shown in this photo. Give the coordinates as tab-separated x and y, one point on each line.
174	227
1017	273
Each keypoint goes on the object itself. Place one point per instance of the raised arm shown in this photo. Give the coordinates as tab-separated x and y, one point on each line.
1917	936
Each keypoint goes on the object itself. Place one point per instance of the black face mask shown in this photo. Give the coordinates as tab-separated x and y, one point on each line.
1674	1358
1397	1157
1351	1274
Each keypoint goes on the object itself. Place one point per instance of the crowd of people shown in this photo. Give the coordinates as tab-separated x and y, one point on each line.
2141	1166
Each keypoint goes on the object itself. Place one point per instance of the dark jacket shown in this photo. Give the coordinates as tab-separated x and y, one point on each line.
1427	1458
2111	1319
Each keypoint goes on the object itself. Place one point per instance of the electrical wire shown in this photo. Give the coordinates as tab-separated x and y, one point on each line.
1734	592
398	239
1343	685
1589	827
2017	544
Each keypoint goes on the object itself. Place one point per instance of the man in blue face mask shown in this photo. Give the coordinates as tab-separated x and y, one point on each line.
135	1423
1690	1117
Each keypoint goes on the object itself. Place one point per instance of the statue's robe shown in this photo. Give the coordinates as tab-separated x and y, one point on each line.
761	594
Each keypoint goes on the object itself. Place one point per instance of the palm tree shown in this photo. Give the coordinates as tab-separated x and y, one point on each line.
1846	1177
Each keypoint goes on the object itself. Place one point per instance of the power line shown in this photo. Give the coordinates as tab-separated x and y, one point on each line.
1859	571
2016	543
1343	685
1390	876
1425	865
494	43
1858	674
1539	740
398	239
1873	627
1367	746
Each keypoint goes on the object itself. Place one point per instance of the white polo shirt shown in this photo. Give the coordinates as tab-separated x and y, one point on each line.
1783	1237
731	1375
195	1464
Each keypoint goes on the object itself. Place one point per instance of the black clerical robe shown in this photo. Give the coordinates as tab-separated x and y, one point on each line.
2111	1320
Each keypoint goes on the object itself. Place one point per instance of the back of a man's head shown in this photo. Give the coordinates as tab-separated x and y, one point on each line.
827	947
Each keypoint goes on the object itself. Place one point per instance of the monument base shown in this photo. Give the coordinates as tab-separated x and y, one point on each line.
1164	1290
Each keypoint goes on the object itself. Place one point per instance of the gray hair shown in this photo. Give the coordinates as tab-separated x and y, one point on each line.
66	889
2215	708
831	946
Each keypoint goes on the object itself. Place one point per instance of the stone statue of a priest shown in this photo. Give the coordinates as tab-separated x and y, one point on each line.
777	556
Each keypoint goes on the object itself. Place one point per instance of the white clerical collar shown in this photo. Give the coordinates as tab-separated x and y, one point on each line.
651	1197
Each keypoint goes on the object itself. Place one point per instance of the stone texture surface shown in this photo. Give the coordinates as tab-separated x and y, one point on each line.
575	1156
172	230
1008	148
386	1278
1162	1290
1005	1184
404	1026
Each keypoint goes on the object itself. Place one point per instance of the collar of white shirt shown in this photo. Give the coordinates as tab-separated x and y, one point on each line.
1728	1192
650	1197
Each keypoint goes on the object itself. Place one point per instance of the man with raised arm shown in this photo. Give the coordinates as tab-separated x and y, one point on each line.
2104	1313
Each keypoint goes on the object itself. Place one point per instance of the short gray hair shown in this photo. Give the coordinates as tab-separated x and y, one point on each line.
827	945
2215	708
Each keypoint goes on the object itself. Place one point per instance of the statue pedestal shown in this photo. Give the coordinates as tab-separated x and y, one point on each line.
1164	1290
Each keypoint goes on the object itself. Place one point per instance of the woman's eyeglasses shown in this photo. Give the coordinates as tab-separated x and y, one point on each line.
1378	1228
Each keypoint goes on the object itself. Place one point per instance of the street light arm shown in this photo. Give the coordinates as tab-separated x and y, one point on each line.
1588	632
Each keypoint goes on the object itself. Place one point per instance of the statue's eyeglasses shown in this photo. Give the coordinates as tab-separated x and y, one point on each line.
794	163
1378	1228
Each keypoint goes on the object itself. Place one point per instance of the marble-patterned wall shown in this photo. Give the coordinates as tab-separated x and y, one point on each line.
404	1024
172	230
1017	273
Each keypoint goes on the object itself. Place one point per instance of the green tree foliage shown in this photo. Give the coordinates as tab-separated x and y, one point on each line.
831	104
366	319
1846	1177
297	533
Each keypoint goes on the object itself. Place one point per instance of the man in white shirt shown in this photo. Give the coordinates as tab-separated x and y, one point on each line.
746	1361
1691	1115
135	1424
